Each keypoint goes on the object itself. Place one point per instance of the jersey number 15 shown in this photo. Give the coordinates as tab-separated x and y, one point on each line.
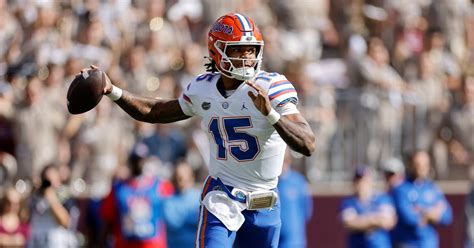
231	127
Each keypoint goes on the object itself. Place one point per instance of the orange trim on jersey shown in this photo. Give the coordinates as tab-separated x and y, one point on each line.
279	93
278	82
203	227
206	187
204	212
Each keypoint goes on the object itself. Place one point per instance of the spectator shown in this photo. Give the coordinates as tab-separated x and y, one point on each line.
8	169
454	147
445	64
181	210
136	74
166	143
420	206
461	122
36	130
54	90
97	149
381	95
297	206
433	101
133	209
394	172
451	17
409	44
13	228
53	213
367	216
91	45
7	109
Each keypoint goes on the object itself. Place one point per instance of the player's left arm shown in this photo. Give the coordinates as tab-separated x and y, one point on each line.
297	133
293	128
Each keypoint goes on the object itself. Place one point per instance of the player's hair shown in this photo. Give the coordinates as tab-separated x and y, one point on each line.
211	66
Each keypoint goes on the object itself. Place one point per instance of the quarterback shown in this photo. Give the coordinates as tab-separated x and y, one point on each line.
250	116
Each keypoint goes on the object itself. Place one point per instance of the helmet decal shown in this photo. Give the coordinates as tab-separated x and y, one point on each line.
219	27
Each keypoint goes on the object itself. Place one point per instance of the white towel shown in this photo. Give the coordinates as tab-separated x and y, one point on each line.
225	209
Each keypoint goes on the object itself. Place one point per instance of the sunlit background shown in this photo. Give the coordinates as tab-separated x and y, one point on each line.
375	78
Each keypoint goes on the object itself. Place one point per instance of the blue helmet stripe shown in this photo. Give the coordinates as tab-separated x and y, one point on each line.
250	26
245	24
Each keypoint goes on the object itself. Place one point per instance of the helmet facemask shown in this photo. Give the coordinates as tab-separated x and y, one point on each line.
242	72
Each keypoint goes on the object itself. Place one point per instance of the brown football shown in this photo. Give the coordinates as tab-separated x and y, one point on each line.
85	91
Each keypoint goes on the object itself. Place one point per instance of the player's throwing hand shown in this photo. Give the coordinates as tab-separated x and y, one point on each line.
108	84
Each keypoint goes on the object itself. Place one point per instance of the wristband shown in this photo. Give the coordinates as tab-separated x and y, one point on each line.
273	117
115	94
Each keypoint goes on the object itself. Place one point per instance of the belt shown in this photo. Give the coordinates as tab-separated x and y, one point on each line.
240	196
253	200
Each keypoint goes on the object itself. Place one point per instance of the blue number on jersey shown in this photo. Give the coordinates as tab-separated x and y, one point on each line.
214	129
231	128
266	76
206	76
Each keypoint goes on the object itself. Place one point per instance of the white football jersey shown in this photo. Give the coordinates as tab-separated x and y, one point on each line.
245	150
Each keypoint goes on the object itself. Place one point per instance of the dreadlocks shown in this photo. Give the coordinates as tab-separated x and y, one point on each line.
211	66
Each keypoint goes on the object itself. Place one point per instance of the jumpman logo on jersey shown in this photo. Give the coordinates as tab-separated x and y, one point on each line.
243	107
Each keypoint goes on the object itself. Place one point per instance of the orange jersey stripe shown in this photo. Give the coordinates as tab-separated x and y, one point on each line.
206	187
203	228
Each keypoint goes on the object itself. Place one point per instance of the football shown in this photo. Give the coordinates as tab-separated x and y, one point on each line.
85	91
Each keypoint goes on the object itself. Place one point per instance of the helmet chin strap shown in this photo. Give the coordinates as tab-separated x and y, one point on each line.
243	73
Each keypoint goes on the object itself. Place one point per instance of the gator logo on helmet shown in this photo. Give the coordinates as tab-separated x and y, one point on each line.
219	27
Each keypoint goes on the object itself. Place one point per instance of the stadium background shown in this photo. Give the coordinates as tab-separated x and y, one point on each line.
153	48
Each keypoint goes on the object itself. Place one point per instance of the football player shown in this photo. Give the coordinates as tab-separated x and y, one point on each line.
250	116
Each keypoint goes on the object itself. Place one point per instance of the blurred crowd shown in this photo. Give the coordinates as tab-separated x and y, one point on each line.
376	79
